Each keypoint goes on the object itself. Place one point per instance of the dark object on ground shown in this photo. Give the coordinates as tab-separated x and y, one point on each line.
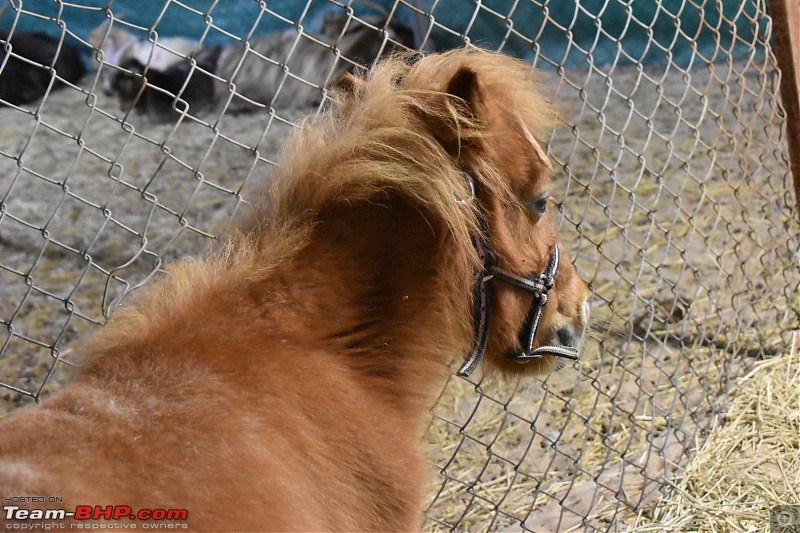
160	93
23	82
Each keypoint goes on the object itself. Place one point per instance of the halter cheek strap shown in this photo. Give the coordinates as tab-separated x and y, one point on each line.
482	310
539	287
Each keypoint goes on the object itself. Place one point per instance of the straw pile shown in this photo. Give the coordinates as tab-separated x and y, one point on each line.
750	465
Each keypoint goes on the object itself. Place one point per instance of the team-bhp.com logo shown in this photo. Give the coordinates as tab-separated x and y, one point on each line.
93	517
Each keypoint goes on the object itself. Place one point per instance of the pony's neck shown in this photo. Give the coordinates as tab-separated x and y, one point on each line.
380	288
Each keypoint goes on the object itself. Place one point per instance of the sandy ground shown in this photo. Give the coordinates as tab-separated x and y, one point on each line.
673	199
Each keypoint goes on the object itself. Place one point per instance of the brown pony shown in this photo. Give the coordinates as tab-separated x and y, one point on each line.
284	382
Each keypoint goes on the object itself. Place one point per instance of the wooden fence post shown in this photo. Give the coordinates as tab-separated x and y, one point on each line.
786	23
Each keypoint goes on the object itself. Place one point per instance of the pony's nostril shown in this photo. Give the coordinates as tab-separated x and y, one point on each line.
567	336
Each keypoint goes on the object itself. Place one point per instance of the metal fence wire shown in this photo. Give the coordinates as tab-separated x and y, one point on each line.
675	203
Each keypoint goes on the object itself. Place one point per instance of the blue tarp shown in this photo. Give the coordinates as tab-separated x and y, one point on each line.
567	32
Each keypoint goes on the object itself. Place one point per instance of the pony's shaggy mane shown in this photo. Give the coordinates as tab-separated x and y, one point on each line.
375	142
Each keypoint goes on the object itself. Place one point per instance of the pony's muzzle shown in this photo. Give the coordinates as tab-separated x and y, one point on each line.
567	336
567	341
574	333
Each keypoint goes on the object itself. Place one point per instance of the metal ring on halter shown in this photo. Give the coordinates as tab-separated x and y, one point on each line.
471	190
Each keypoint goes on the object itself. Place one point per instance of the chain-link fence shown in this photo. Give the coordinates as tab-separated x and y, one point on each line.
675	203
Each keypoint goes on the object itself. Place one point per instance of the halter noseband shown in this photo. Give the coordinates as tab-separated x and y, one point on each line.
539	287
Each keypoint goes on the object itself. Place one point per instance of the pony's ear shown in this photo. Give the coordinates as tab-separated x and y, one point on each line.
349	84
458	127
464	84
348	89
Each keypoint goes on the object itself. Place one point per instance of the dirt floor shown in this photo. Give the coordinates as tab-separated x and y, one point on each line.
673	197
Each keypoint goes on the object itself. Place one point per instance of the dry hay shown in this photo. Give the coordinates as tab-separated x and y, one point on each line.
751	463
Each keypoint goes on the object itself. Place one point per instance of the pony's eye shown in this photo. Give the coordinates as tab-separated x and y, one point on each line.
538	207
